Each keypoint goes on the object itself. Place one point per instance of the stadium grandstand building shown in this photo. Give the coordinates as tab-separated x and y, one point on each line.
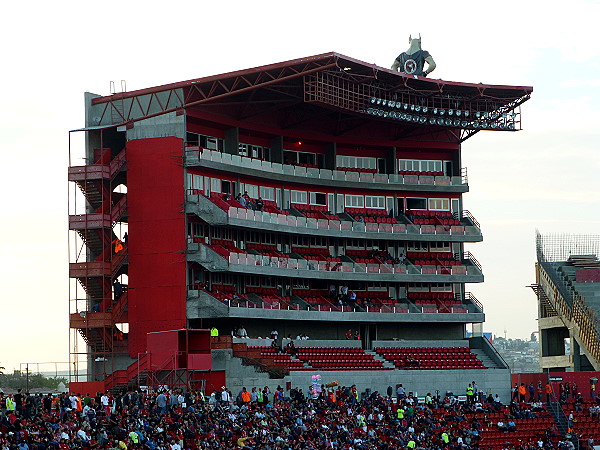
321	196
568	291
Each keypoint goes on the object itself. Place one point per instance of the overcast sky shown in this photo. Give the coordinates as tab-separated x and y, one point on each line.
545	176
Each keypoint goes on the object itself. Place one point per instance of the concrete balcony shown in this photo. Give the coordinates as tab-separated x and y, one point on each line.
300	268
211	159
246	218
201	305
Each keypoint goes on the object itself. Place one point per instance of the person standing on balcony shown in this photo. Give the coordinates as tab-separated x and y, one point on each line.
548	390
274	334
214	332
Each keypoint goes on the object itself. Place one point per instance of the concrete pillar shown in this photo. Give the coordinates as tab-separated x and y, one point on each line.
277	149
391	163
232	140
330	154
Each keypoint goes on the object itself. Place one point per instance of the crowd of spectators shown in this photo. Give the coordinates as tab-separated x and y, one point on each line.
334	417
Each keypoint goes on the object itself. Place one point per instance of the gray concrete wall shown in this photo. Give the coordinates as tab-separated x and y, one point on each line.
165	125
419	381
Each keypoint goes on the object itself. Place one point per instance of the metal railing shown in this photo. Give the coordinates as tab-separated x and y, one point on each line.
467	214
386	309
571	305
342	225
195	153
469	257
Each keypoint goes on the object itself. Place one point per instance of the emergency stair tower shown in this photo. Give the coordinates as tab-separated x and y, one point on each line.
99	258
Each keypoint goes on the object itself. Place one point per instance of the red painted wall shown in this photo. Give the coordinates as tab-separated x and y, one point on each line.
157	267
85	387
214	380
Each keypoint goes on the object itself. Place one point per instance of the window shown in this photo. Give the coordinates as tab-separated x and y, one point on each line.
211	142
377	286
440	246
374	202
418	165
267	193
416	203
215	184
299	197
253	151
355	201
293	157
356	162
417	246
318	241
306	158
439	204
252	190
269	282
318	198
441	287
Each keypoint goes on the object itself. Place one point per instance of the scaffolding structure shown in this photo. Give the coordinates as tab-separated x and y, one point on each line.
559	247
97	262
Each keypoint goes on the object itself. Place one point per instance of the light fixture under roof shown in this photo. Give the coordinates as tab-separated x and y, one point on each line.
450	112
432	121
406	106
442	112
373	99
379	101
448	121
422	119
384	102
391	103
425	109
440	121
417	108
458	112
435	110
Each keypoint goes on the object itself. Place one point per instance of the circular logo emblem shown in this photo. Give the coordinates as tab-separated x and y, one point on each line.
410	66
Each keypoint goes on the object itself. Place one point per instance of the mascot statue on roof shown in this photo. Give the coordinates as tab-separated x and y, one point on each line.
412	61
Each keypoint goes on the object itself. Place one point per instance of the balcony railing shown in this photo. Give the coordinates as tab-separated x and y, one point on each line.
195	153
384	309
344	225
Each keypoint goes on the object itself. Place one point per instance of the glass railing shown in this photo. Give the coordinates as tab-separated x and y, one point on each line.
194	153
389	309
343	225
326	266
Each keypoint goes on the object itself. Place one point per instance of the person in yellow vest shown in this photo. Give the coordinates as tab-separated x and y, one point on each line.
214	332
400	413
470	394
135	438
446	438
411	444
10	404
